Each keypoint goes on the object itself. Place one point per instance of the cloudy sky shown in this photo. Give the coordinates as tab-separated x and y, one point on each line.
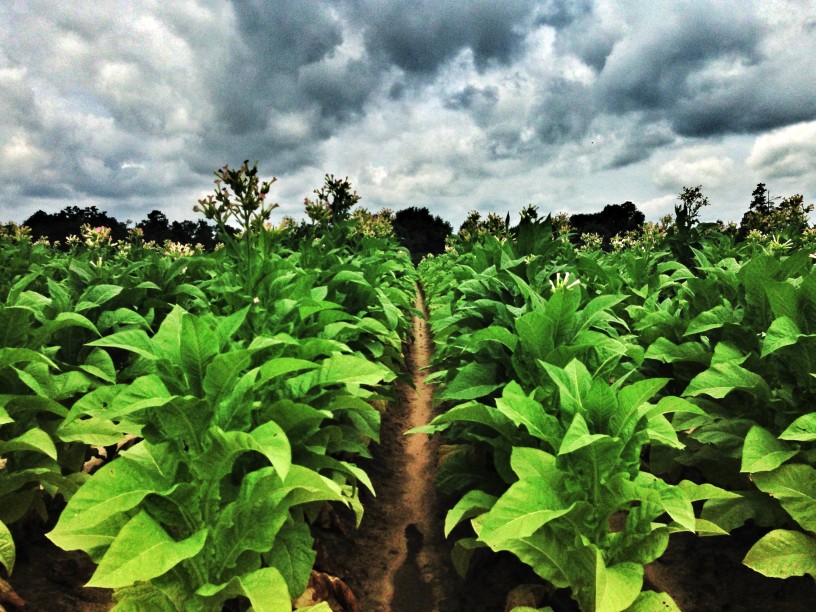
451	104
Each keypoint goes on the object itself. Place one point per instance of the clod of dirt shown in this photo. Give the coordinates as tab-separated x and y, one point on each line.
329	589
8	596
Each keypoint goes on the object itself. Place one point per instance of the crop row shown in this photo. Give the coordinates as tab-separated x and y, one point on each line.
592	404
225	395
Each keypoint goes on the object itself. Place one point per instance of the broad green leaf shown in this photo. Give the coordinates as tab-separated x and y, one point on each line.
470	412
5	419
712	319
762	451
133	340
783	553
118	486
578	436
265	588
782	297
473	503
723	378
472	381
650	601
162	594
284	365
293	555
99	364
698	492
143	550
222	375
535	333
121	316
616	587
492	333
92	431
462	552
11	356
69	319
225	446
97	295
672	405
167	341
666	351
198	345
32	440
782	332
524	508
794	485
524	410
802	429
351	369
573	383
228	326
7	552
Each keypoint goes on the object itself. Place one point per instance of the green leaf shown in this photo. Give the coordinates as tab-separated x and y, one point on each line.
97	295
794	485
782	553
578	436
492	333
573	382
650	601
143	550
666	351
198	345
32	440
69	319
268	439
723	378
280	366
616	587
782	332
7	552
802	429
222	375
11	356
133	340
529	503
762	452
473	503
117	487
293	555
265	588
711	319
523	410
472	381
98	363
351	369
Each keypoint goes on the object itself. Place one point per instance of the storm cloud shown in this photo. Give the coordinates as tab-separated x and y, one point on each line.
131	105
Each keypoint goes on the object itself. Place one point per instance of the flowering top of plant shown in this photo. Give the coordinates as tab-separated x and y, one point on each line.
241	198
96	237
565	282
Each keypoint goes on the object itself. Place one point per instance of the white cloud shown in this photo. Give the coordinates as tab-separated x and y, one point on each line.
790	151
702	165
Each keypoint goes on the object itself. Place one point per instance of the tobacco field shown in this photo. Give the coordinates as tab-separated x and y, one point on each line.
186	418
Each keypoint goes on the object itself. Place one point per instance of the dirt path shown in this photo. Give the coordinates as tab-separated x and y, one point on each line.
398	560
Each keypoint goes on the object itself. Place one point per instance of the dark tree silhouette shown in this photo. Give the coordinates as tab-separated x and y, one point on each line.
58	226
614	219
155	226
421	232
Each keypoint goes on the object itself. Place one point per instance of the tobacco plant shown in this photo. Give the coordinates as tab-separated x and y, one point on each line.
210	504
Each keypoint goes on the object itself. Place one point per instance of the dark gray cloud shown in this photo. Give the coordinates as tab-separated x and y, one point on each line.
420	36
